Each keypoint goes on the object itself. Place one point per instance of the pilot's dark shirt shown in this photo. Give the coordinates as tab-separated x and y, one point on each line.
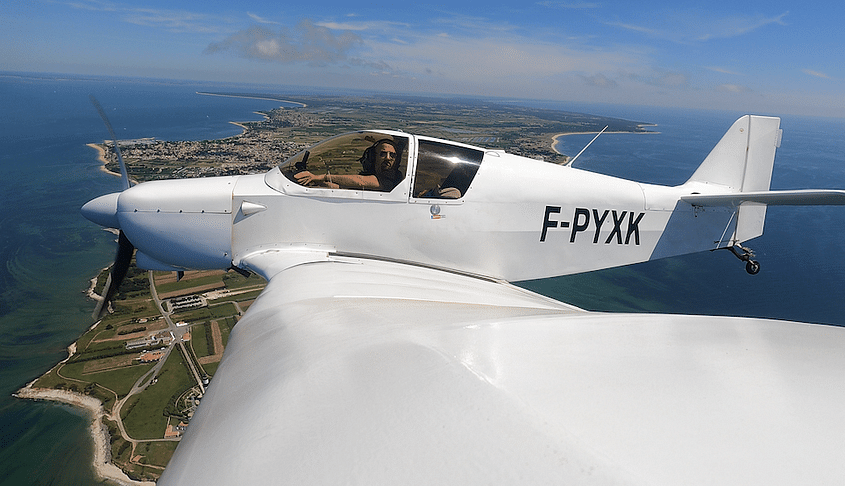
387	180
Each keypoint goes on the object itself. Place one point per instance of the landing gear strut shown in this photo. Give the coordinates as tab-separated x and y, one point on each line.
746	255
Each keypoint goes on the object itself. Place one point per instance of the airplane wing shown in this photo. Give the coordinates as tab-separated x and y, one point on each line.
357	371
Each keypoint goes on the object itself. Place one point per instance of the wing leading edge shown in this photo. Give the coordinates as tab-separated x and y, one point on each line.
357	371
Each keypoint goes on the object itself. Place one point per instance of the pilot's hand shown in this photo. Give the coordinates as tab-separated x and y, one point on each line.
306	178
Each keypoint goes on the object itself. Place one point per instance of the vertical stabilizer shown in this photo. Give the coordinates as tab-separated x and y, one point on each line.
742	161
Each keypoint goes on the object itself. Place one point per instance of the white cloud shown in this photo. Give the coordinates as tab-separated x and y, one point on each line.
307	42
637	28
599	81
697	26
673	80
570	5
722	70
490	59
739	25
816	74
177	21
445	55
261	20
733	88
173	21
93	5
659	78
377	26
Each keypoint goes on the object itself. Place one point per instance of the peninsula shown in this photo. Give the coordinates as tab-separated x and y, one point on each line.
142	370
529	132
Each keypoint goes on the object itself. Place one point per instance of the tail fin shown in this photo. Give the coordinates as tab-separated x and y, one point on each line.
742	161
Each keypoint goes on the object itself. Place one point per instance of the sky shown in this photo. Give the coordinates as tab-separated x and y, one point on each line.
769	57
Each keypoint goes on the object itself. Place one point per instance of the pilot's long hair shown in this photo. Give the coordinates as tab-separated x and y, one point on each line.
368	159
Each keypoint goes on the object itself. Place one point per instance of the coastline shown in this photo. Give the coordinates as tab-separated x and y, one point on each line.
103	467
257	97
243	127
101	157
564	134
90	293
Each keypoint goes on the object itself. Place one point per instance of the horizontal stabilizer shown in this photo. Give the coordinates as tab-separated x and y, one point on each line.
806	197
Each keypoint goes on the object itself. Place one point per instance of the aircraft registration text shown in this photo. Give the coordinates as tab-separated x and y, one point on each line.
623	223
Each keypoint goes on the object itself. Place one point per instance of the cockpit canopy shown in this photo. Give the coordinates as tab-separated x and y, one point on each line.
442	170
445	170
351	154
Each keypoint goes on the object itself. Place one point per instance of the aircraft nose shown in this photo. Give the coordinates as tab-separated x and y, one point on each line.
102	210
183	223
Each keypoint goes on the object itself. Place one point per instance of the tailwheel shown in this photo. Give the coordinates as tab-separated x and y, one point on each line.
746	254
752	267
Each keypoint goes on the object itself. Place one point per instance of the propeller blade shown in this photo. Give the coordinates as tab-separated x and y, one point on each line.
124	176
103	211
125	250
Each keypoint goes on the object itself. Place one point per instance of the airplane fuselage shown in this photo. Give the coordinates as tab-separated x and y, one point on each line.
519	219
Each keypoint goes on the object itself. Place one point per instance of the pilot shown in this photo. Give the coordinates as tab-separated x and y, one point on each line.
380	170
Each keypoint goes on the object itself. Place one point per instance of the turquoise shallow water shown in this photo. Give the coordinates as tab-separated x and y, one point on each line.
49	252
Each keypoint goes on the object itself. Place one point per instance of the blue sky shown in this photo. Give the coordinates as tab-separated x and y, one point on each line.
768	57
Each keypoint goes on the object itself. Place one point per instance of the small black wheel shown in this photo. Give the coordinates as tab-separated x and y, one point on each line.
752	267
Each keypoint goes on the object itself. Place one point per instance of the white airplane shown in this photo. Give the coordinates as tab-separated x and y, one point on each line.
390	348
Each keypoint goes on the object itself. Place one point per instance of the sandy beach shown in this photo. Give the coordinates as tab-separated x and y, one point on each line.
101	462
244	127
101	156
104	469
556	137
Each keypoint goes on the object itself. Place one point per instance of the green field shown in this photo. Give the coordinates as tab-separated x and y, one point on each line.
118	380
143	414
200	339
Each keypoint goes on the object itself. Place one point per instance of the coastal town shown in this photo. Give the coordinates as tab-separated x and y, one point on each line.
143	368
285	131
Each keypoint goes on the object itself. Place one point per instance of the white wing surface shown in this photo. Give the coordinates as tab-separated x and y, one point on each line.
355	371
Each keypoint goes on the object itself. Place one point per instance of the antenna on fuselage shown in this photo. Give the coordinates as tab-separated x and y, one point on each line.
570	161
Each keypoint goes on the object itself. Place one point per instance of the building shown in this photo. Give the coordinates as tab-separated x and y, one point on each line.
162	338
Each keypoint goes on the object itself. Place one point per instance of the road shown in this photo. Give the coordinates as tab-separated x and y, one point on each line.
139	386
177	333
143	382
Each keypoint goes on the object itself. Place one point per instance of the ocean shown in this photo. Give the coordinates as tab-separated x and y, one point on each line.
50	252
802	273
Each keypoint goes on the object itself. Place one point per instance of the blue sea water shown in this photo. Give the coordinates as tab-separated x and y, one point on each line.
49	252
803	267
